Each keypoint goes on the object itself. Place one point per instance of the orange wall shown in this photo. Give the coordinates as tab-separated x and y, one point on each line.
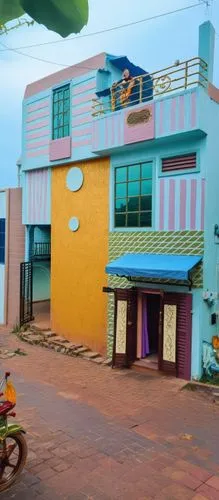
78	305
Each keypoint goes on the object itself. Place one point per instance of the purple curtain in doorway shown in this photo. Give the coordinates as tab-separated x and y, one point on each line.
145	338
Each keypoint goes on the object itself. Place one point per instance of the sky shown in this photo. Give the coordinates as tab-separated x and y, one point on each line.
152	45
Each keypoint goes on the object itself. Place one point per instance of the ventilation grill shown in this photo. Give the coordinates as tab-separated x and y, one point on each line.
184	162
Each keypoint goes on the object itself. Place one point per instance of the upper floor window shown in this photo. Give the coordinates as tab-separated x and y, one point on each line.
177	163
2	241
61	112
133	195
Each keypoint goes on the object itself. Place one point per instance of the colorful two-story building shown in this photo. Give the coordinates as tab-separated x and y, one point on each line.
119	183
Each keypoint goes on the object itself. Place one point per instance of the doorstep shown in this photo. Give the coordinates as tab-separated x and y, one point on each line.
145	364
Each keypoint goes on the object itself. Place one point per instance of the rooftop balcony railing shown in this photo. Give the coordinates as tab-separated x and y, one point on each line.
178	77
41	250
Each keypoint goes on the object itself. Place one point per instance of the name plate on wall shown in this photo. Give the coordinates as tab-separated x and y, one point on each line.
139	124
121	324
138	117
169	333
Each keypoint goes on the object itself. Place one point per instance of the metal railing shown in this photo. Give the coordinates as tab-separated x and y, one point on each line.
41	250
143	88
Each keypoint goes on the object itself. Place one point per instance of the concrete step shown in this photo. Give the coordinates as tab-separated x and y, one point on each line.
48	334
81	350
58	341
38	328
49	340
99	360
90	355
32	338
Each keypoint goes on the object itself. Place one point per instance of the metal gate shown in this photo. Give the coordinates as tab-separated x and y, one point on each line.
26	292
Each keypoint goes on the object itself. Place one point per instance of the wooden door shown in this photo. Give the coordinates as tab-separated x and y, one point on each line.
184	337
125	327
175	356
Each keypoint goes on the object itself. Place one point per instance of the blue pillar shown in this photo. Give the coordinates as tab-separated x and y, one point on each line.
206	47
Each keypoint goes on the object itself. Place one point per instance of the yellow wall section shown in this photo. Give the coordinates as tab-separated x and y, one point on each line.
78	305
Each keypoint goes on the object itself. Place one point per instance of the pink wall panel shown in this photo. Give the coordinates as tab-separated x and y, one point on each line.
35	126
82	142
176	114
142	131
81	110
81	131
38	144
60	149
79	89
161	208
34	116
37	152
171	215
38	105
81	120
193	109
181	112
40	133
181	204
83	98
182	218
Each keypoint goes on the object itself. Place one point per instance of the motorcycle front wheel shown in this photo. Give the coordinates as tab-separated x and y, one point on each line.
13	454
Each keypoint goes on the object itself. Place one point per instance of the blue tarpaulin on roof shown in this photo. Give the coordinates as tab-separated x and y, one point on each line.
121	63
175	267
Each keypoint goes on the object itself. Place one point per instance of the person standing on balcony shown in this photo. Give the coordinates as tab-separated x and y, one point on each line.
122	91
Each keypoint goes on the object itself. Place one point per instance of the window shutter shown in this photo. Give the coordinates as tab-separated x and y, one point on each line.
175	163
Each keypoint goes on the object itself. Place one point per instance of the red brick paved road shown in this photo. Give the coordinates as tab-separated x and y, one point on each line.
95	433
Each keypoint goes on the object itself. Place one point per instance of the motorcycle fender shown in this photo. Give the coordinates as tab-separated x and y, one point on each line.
11	429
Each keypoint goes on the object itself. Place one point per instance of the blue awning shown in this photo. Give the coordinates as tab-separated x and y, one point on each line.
161	266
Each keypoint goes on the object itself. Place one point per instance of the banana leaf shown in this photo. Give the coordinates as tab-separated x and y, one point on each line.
9	10
62	16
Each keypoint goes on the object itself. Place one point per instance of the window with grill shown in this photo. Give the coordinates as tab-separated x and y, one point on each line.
177	163
61	112
2	241
133	196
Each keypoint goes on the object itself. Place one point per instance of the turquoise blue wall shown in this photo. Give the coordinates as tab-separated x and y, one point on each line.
81	141
206	47
197	333
41	269
211	246
154	152
42	235
41	281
